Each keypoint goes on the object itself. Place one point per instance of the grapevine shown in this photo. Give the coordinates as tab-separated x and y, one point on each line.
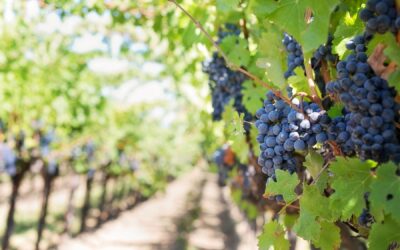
289	134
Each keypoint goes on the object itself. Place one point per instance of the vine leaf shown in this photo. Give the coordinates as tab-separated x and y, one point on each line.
285	185
385	192
289	220
348	27
335	110
227	5
390	45
254	134
235	131
314	164
394	79
272	60
261	8
382	235
329	237
299	81
252	96
236	49
315	217
290	16
352	179
307	227
273	235
311	200
390	49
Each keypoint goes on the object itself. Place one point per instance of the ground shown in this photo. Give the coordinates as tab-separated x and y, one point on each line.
193	213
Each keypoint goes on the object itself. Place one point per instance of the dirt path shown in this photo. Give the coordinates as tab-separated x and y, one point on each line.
220	225
193	213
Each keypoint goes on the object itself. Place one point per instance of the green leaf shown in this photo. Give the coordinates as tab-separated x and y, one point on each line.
351	180
349	26
251	211
254	134
284	185
289	220
272	60
253	96
289	15
261	8
314	164
236	132
313	201
236	49
299	81
335	110
392	48
315	218
227	5
394	79
307	227
384	234
385	192
273	235
329	236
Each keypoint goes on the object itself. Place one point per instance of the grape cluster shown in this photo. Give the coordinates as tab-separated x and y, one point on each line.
53	168
8	159
337	132
230	30
324	52
295	55
45	140
283	132
223	170
369	104
380	16
225	84
366	219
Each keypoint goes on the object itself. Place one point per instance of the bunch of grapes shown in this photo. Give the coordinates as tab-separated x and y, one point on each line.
295	55
380	16
230	30
366	219
324	52
53	168
45	140
223	169
370	106
295	59
8	159
337	132
285	133
225	84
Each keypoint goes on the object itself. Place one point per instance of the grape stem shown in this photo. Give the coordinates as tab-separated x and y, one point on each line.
312	85
320	173
243	23
286	205
325	71
301	94
231	65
